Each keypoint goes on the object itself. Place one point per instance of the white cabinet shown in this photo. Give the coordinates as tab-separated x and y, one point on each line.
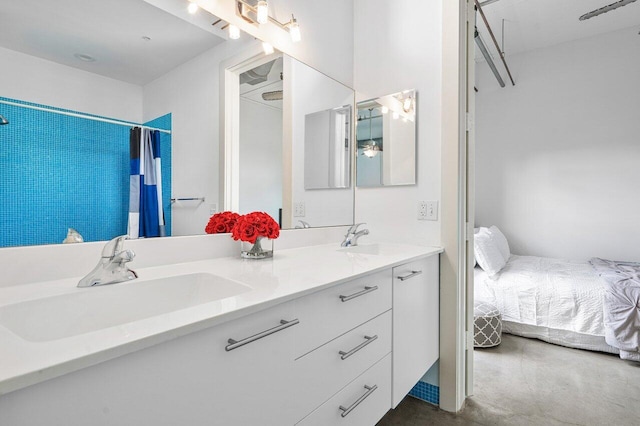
362	402
192	380
416	298
343	354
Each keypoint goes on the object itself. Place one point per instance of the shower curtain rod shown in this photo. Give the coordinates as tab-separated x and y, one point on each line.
87	117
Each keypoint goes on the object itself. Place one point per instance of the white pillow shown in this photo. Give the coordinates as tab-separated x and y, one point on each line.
487	252
501	242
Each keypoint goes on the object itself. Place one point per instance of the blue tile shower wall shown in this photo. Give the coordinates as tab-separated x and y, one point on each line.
426	392
59	171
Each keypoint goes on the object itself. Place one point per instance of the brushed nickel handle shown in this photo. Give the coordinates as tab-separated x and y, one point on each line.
369	339
347	410
234	344
358	294
411	275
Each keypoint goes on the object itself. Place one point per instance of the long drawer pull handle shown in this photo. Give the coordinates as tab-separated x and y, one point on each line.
369	339
358	294
234	344
370	390
411	275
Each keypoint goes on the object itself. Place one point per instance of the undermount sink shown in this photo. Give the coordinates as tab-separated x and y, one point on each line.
95	308
363	249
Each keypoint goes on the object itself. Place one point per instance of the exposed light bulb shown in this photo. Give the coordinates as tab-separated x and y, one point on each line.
193	7
294	30
396	115
234	32
404	119
406	104
262	12
385	109
267	47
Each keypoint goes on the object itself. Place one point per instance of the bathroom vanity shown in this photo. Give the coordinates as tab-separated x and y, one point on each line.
317	335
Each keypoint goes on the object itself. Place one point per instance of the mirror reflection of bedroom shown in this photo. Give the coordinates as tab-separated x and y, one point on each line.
557	189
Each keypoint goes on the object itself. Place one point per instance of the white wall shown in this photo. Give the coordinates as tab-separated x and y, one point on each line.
191	94
261	158
558	154
32	79
399	47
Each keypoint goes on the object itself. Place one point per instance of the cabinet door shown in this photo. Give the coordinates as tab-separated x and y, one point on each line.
192	380
416	300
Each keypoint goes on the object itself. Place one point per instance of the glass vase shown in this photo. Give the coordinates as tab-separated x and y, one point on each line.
261	249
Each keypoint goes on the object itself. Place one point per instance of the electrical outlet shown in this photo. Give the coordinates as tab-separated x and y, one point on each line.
298	209
213	209
422	210
427	210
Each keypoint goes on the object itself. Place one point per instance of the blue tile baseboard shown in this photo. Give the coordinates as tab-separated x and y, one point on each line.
426	392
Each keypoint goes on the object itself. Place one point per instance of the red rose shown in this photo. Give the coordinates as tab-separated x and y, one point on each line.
253	225
221	223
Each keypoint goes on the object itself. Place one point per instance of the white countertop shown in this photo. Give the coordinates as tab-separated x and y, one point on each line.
288	275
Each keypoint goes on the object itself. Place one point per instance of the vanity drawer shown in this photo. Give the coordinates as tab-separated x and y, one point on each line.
321	373
336	310
364	401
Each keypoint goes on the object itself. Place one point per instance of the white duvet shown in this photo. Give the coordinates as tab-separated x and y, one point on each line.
554	300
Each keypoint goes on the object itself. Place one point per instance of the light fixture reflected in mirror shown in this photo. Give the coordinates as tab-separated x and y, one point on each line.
294	30
385	109
267	48
234	32
371	149
193	7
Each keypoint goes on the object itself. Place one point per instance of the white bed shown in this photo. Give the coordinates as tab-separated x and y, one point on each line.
553	300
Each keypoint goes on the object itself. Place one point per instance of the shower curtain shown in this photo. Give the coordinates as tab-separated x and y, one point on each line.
146	215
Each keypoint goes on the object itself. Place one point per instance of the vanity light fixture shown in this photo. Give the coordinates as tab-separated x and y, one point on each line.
262	13
267	47
371	149
234	32
396	115
385	109
258	14
193	7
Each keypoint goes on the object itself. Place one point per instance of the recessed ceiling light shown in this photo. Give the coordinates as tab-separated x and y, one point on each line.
146	38
84	57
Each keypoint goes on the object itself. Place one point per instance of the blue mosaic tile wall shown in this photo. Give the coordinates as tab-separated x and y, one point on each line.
59	171
426	392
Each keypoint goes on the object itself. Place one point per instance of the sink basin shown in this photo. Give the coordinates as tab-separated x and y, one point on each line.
363	249
95	308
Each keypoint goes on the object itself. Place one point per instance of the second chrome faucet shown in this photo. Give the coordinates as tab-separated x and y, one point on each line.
351	238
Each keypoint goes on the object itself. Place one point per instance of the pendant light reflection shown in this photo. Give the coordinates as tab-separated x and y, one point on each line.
371	149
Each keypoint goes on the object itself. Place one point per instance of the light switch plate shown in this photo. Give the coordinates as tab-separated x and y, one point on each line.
213	209
432	210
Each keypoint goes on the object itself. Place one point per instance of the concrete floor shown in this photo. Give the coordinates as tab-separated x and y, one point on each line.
529	382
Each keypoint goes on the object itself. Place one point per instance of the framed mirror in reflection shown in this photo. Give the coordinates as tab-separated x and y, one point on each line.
292	137
386	135
71	89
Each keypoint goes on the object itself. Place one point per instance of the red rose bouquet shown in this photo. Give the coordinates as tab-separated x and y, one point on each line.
254	225
221	223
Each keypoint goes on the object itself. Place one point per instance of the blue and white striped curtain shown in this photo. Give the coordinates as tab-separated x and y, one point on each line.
146	216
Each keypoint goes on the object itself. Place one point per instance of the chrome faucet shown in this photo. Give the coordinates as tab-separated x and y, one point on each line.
303	225
351	239
112	267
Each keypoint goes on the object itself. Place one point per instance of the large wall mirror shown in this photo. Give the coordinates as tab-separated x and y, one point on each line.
72	87
386	134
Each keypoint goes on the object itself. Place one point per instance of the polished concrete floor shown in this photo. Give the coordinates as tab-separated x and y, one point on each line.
529	382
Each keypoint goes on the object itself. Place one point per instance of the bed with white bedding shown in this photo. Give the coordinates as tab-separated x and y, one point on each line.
591	305
557	301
